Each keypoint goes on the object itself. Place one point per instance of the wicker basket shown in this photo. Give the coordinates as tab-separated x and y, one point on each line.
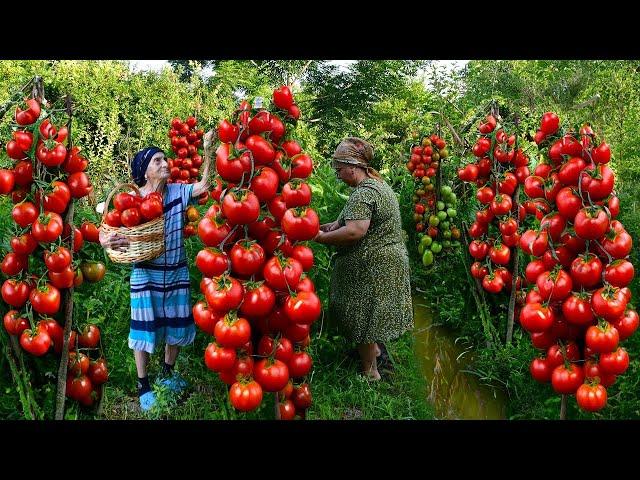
146	241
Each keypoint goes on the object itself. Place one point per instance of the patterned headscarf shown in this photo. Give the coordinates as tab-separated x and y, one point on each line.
140	163
356	151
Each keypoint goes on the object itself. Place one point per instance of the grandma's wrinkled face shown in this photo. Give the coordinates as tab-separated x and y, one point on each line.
346	173
158	168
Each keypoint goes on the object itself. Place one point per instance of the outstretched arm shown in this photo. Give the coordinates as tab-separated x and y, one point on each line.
351	233
204	185
328	227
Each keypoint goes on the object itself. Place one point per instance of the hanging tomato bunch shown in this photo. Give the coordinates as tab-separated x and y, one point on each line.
578	310
434	204
499	166
47	175
259	304
186	140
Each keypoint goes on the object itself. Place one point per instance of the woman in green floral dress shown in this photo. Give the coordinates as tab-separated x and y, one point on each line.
370	293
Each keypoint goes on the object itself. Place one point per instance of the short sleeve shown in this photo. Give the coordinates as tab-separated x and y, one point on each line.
186	191
361	205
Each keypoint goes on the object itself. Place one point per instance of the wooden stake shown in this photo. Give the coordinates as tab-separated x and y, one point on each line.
516	208
68	304
563	408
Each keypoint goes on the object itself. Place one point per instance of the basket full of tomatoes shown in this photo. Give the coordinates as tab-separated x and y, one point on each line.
139	219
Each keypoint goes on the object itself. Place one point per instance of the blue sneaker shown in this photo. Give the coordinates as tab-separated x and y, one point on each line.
175	383
147	401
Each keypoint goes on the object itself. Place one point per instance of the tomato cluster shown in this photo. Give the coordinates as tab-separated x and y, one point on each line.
497	170
185	142
131	210
192	216
578	309
423	164
47	175
259	303
85	376
434	210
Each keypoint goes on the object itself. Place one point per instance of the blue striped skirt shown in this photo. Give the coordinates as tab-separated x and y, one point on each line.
160	306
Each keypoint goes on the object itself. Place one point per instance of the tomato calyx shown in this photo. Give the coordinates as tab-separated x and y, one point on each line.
253	284
592	381
230	317
223	282
603	325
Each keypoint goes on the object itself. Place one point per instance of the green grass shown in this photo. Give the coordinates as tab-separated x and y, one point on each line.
339	391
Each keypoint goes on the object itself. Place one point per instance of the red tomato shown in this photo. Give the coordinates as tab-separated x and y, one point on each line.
271	374
301	396
219	358
615	362
15	292
591	223
300	364
241	207
535	317
98	372
591	398
303	308
25	244
300	224
57	260
626	324
36	342
130	217
258	300
287	410
247	257
245	396
90	337
540	370
224	293
90	232
14	263
79	185
567	379
265	184
304	255
45	299
282	274
14	323
232	331
24	214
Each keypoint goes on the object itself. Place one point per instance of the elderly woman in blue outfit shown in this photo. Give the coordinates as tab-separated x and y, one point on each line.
160	288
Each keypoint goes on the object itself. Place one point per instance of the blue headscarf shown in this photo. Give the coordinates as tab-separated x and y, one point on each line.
140	163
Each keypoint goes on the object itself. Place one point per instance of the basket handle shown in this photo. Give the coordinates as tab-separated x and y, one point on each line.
112	192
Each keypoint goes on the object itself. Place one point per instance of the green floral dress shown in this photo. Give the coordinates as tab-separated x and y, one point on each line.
370	295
